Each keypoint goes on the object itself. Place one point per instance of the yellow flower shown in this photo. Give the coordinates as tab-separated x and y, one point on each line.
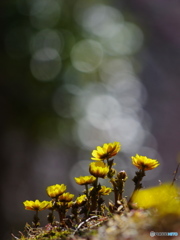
36	205
81	200
51	205
107	151
55	190
98	169
105	190
85	180
165	198
144	163
65	204
69	204
66	197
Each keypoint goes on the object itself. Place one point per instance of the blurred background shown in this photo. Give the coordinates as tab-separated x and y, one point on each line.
77	74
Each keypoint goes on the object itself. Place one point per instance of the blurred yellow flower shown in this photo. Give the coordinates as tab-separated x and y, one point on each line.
98	169
81	200
144	163
65	204
66	197
36	205
107	151
165	198
90	189
105	190
55	190
85	180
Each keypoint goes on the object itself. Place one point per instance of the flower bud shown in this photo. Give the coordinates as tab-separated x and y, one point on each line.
122	175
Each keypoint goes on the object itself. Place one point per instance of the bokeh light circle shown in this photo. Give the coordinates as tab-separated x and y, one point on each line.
126	41
46	38
45	14
103	111
99	19
45	64
87	55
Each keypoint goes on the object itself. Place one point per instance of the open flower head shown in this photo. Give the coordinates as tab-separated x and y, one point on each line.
104	190
165	198
108	150
144	163
81	200
98	169
36	205
66	197
55	190
85	180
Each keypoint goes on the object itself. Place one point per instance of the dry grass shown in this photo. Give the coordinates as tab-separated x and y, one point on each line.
133	225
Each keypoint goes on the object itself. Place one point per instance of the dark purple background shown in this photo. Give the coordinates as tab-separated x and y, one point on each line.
160	22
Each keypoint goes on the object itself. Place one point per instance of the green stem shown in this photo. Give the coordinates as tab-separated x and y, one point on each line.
138	183
88	197
94	196
61	212
50	217
87	190
121	190
36	219
96	183
110	163
138	180
115	193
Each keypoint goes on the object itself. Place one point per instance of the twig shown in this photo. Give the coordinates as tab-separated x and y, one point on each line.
175	173
14	236
82	223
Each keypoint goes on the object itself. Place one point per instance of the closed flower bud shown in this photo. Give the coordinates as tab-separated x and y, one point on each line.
122	175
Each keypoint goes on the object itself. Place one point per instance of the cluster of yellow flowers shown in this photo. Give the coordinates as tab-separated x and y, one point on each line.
91	200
